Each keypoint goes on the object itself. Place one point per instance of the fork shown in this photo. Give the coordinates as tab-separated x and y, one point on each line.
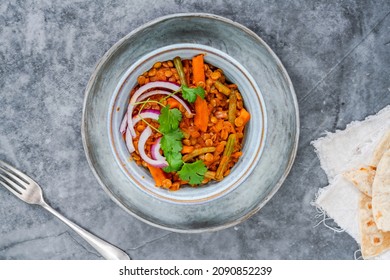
29	191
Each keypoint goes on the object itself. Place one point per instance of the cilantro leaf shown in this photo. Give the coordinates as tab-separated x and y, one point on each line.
174	160
193	172
190	94
169	119
171	146
171	141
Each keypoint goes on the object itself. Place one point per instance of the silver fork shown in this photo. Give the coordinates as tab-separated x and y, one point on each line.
29	191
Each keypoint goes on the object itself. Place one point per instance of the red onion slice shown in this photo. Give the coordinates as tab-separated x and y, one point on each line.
160	163
146	114
155	150
129	141
151	93
155	92
139	92
123	126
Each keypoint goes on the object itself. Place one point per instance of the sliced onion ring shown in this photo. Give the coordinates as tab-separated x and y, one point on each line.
123	126
164	92
146	114
138	93
155	150
129	141
141	148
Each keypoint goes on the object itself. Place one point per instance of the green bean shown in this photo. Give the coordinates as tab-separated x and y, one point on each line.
222	88
232	107
198	152
226	157
180	70
210	175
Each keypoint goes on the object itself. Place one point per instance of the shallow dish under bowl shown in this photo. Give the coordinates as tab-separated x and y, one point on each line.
271	138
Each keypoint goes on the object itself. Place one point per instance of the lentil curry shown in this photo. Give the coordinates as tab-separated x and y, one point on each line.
185	123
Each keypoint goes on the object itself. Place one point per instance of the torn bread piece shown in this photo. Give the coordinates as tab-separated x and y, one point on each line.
362	178
373	240
381	193
381	148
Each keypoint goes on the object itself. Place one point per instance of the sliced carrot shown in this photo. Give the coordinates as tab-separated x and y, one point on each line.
201	117
198	70
187	149
245	115
173	103
158	175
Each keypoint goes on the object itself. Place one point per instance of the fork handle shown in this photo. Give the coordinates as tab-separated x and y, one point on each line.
107	250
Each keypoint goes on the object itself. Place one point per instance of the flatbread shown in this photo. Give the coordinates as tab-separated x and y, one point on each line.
381	148
373	240
362	178
381	193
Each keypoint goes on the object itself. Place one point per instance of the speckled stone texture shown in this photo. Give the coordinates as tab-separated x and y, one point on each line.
338	58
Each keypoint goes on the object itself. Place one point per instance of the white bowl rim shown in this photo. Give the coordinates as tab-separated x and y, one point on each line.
195	195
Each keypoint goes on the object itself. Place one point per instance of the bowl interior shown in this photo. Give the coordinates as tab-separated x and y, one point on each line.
254	136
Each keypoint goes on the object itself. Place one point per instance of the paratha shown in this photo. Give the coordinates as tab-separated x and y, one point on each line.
373	240
362	178
380	149
381	193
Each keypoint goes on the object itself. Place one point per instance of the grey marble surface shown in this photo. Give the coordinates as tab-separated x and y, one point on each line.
337	55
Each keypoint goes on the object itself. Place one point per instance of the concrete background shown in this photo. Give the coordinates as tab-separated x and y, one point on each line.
338	58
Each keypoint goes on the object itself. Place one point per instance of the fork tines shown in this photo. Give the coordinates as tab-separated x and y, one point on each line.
12	179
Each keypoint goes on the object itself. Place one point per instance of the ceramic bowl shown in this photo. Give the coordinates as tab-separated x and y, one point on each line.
254	134
271	136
